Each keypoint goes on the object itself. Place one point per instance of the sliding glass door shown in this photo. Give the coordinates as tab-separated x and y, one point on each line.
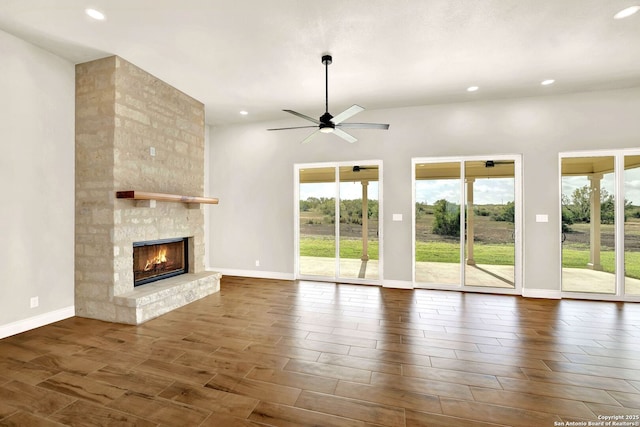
316	222
338	221
490	223
600	204
438	197
588	224
632	224
466	214
358	211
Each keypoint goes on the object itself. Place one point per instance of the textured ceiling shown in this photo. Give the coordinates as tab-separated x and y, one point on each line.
264	56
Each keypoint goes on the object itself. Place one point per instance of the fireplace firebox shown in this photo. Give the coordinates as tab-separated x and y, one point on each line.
159	259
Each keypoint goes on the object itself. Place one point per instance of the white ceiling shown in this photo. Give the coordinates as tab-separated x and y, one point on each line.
263	56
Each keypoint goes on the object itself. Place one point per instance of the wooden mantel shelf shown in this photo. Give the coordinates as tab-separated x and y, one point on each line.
144	195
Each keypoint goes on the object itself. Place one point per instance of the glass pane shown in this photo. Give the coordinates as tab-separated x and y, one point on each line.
359	221
437	219
317	222
588	225
632	225
490	219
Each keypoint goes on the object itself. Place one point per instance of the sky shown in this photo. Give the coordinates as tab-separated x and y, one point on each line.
486	191
631	184
571	183
348	190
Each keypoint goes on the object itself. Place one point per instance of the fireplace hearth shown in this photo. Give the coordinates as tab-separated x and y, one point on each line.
159	259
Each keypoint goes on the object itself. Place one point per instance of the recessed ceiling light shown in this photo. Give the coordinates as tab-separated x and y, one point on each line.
95	14
547	82
244	113
472	88
625	13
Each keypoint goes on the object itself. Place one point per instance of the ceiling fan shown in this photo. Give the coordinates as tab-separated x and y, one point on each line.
357	168
329	123
494	163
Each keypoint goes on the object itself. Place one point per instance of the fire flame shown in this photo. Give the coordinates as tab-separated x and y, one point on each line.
160	257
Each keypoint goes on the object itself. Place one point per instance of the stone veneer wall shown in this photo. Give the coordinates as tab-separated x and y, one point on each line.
121	113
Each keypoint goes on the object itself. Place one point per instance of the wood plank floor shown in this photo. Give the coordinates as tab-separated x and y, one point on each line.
278	353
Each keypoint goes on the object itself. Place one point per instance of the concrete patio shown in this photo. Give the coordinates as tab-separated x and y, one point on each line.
496	276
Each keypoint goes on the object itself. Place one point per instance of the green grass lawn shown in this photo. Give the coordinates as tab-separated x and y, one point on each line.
576	258
492	254
324	246
450	252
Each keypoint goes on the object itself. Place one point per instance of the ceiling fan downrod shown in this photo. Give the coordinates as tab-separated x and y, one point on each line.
326	125
326	60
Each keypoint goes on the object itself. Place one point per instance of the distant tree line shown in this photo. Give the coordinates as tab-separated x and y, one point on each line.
350	210
446	215
577	207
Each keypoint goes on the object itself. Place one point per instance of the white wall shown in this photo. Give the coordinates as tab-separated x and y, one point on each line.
37	175
251	170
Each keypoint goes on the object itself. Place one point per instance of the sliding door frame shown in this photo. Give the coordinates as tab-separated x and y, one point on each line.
296	218
618	173
518	224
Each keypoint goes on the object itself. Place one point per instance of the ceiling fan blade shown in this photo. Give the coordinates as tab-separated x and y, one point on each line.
295	127
364	125
311	119
349	112
342	134
310	137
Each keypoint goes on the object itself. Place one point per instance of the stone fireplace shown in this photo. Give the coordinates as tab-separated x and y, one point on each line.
135	132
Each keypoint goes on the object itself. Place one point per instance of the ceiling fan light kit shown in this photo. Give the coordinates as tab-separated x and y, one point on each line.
330	124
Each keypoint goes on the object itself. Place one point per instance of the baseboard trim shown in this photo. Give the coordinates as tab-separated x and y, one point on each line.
36	321
542	293
397	284
253	273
